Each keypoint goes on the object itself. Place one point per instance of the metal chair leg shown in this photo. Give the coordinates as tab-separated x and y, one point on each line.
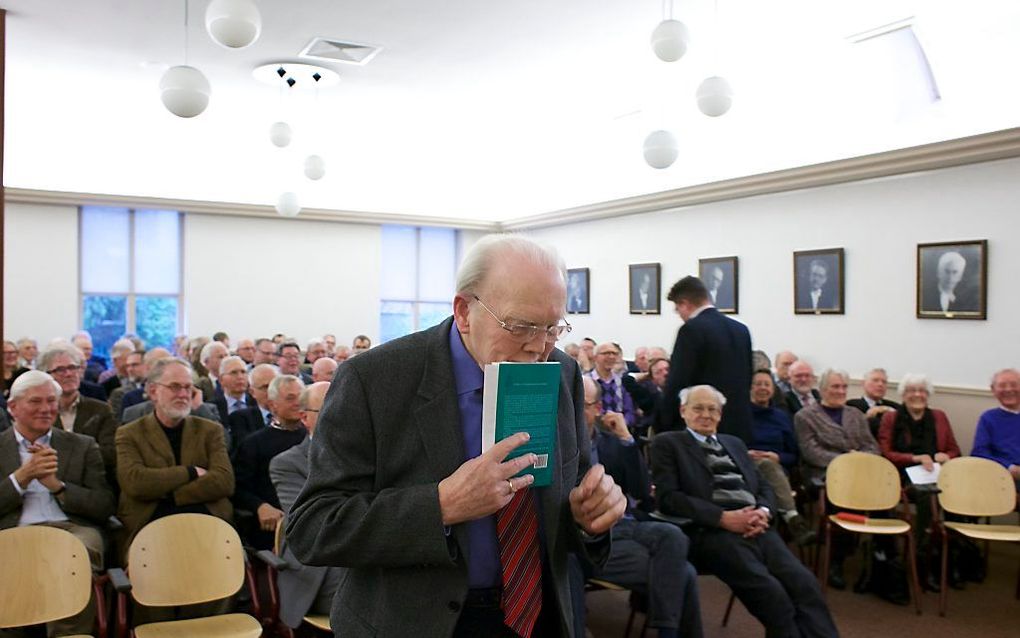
915	584
945	571
826	549
729	608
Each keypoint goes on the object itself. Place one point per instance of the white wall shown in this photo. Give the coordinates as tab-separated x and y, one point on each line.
878	223
40	272
254	277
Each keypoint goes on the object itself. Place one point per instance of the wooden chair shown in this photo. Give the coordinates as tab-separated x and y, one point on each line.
869	483
275	563
636	602
185	559
47	576
972	486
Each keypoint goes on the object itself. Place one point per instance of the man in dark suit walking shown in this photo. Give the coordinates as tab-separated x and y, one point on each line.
710	349
439	538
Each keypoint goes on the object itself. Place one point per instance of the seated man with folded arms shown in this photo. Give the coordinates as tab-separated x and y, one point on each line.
145	406
998	430
710	478
304	589
646	555
52	477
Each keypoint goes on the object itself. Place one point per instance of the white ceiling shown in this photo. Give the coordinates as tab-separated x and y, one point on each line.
483	110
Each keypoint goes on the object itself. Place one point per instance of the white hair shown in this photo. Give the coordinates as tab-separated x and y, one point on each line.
998	373
261	366
479	259
29	380
828	373
232	358
122	347
687	392
953	256
915	379
24	341
207	350
313	343
51	353
274	385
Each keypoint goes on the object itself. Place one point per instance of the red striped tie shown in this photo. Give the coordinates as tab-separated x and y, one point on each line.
517	529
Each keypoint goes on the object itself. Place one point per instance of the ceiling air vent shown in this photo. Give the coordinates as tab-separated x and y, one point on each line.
327	50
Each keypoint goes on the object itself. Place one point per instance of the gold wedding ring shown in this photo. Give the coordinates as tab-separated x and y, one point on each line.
512	488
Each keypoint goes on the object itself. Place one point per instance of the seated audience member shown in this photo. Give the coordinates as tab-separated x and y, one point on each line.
874	404
180	347
360	344
243	423
232	393
11	368
92	390
255	493
646	555
572	350
76	413
117	376
640	362
32	455
200	409
136	371
246	350
323	369
774	452
330	341
194	357
265	352
646	391
211	356
28	350
341	353
170	462
760	360
802	384
731	510
315	351
304	589
279	338
136	396
998	430
222	337
615	397
915	434
289	360
784	360
94	364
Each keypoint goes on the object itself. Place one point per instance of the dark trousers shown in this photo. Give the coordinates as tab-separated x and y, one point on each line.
768	579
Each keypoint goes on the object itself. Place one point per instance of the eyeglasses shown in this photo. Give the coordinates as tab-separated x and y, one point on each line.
177	388
704	409
528	331
608	353
592	403
309	410
63	370
292	355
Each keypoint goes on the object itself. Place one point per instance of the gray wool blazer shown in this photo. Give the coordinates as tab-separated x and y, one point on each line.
821	439
388	433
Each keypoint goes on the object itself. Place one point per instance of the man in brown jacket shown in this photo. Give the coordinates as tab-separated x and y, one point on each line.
169	462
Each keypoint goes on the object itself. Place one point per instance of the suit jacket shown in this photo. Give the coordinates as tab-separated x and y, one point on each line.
134	397
821	439
243	423
826	301
87	500
92	390
684	481
94	419
388	432
874	422
967	299
110	384
793	404
299	584
626	465
148	472
220	400
716	350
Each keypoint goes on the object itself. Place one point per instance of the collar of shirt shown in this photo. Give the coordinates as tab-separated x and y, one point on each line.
266	414
24	443
614	377
699	311
467	375
871	402
73	407
701	438
1008	410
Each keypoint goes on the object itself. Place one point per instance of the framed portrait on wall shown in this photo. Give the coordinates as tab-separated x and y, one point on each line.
952	280
644	289
720	277
578	287
818	282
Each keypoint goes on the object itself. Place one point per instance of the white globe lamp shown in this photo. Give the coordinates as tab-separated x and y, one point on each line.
184	91
315	167
661	149
715	96
280	134
670	39
233	23
287	204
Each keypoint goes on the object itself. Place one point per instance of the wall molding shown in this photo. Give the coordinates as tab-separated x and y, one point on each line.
967	150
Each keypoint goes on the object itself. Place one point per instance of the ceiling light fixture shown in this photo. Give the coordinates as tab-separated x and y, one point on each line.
671	37
661	149
234	24
714	94
183	89
287	204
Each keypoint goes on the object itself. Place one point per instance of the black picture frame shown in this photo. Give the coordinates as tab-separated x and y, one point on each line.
578	291
960	270
721	276
645	284
818	282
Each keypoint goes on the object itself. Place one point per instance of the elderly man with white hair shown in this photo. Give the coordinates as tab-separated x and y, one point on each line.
211	355
118	376
998	429
709	478
33	454
28	350
94	364
232	392
323	369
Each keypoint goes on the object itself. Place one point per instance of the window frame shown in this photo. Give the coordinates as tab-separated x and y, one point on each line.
417	301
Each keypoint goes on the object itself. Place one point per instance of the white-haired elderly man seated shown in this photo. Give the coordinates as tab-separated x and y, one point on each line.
118	375
52	477
710	479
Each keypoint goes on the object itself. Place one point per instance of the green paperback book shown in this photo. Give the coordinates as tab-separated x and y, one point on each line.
523	397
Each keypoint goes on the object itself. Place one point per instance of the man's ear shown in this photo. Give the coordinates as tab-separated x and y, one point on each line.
462	314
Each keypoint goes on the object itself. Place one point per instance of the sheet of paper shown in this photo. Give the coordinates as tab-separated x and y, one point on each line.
920	476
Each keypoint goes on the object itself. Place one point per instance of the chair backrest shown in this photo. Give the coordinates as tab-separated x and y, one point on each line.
973	486
861	481
185	559
46	575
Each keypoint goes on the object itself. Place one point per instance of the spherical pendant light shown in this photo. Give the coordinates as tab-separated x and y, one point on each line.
233	23
280	134
315	167
287	204
184	91
715	96
661	149
669	40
